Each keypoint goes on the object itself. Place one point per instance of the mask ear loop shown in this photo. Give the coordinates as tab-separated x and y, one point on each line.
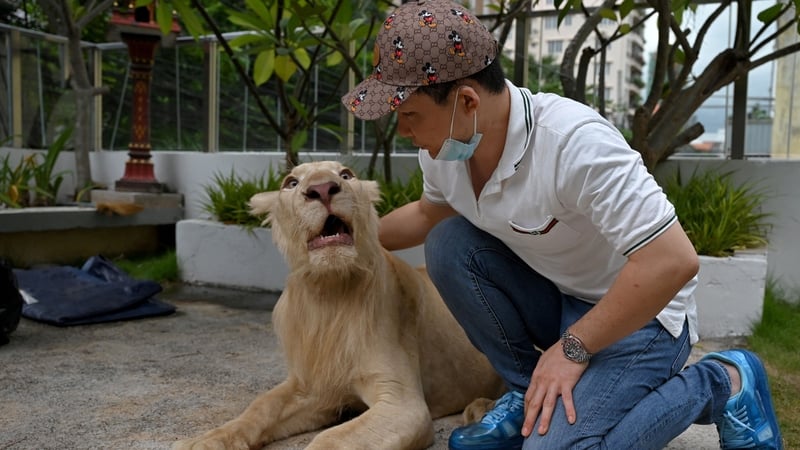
453	115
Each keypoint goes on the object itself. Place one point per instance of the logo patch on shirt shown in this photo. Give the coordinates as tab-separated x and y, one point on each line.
550	222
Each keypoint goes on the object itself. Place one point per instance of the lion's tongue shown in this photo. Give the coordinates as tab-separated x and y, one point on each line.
324	241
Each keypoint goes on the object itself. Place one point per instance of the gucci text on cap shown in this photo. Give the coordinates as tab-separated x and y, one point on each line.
421	43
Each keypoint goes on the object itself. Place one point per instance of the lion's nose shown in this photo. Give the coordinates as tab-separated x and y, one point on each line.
322	192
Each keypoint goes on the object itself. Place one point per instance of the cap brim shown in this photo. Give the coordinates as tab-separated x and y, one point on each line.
371	99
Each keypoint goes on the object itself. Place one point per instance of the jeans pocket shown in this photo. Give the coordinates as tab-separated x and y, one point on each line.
683	351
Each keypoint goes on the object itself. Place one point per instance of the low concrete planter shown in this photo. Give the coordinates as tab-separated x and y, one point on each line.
730	293
209	252
70	234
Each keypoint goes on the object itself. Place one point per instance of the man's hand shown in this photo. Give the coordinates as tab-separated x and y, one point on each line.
553	376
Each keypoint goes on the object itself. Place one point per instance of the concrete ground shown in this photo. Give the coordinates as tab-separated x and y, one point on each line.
144	384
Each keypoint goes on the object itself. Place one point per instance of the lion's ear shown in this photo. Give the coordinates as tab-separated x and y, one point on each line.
263	203
372	189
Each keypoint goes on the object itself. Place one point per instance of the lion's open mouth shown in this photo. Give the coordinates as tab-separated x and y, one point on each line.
334	232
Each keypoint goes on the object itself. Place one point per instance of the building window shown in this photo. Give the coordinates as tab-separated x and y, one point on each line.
551	22
554	47
608	94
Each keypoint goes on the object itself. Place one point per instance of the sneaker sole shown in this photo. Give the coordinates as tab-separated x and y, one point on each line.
762	386
514	446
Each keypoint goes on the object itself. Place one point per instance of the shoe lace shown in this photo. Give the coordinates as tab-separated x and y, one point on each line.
734	429
507	404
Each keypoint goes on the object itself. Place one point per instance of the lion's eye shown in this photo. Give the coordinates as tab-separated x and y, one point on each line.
346	174
289	183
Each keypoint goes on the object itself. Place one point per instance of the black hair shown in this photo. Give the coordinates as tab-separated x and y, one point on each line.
490	78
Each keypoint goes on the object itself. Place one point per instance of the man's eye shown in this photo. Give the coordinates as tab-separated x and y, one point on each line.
346	174
290	183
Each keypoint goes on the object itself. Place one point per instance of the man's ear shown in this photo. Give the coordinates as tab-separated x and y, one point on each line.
469	98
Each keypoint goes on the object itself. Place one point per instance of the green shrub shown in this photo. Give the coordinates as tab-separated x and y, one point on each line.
718	216
34	175
397	193
227	196
160	268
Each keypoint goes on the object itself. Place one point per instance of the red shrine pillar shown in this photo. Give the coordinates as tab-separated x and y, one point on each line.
139	175
138	29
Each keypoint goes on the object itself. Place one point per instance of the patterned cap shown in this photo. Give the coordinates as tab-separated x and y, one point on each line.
421	43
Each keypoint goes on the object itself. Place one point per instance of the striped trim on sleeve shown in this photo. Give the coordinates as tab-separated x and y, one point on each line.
647	239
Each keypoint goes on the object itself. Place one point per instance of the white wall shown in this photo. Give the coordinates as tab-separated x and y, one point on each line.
781	181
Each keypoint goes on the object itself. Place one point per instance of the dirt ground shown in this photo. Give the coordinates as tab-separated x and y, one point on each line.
144	384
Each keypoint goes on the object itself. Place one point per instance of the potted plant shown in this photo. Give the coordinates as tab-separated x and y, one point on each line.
727	227
205	248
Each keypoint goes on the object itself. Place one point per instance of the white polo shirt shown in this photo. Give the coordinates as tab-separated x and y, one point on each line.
573	205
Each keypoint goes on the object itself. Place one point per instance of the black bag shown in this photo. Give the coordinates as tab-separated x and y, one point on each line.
10	302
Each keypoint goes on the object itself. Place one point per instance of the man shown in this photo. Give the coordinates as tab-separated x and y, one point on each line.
556	251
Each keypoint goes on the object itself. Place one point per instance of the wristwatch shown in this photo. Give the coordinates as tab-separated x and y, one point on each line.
573	348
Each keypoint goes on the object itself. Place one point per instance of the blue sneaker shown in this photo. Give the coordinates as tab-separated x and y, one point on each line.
749	419
500	428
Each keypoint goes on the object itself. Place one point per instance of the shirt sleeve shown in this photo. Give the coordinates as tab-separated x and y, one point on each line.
599	176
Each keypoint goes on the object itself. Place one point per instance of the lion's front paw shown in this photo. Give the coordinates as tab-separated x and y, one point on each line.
213	440
476	410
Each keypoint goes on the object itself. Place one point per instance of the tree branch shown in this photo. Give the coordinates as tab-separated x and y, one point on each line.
571	53
251	87
788	50
773	36
662	55
92	11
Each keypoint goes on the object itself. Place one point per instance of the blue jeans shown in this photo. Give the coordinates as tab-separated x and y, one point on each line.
635	394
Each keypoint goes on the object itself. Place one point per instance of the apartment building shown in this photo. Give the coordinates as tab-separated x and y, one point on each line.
624	65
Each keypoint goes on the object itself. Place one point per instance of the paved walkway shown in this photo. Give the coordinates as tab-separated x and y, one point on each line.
143	384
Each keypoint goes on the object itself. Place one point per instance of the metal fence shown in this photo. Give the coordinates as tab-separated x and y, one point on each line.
198	102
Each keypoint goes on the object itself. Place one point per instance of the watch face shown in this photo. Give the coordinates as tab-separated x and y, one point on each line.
573	349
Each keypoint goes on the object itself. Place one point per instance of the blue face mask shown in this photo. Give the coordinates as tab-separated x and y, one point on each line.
455	150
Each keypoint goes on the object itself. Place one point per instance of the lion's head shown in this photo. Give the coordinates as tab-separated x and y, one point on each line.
323	218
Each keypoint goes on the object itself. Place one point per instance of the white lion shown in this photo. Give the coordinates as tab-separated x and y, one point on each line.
361	330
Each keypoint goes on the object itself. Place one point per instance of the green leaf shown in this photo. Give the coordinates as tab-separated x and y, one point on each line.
189	18
609	14
625	8
164	17
302	58
247	21
299	140
245	40
263	67
770	14
258	7
334	59
680	57
625	28
284	67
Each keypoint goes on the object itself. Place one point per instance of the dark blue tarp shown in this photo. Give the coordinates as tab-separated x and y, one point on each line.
97	292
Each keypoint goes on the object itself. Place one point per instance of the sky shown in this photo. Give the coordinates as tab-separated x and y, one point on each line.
760	81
